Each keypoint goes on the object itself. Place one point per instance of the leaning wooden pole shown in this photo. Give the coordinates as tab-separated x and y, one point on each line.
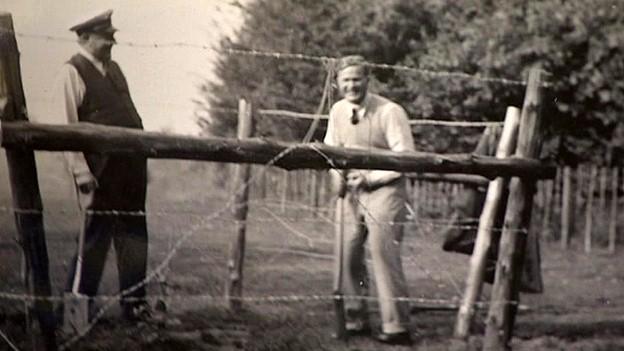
24	185
487	220
234	287
504	298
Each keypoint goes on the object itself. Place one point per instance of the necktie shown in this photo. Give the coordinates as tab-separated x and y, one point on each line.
354	116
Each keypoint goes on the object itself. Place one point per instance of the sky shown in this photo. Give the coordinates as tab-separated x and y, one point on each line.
163	80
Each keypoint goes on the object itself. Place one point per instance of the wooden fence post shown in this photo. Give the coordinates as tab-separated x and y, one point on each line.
285	187
487	220
614	206
557	200
416	198
263	180
234	285
566	206
25	186
578	203
314	191
589	209
505	295
547	209
602	192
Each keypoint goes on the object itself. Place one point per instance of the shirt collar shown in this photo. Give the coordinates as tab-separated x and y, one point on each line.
361	107
99	65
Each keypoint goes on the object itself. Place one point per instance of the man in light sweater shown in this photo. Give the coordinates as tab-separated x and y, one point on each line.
376	202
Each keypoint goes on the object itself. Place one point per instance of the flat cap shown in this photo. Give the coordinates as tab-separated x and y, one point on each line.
351	60
99	24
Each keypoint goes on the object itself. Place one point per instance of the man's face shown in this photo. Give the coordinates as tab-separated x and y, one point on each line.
100	46
353	83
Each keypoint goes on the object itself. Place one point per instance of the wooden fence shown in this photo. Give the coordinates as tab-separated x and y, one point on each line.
579	207
21	138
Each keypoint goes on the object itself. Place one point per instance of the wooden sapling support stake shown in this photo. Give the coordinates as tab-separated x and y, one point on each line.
566	206
589	210
614	206
234	285
505	291
578	201
487	219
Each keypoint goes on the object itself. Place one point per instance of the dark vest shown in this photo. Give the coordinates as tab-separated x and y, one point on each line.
122	179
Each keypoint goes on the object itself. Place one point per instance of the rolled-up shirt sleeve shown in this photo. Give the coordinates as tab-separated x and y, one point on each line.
67	97
399	138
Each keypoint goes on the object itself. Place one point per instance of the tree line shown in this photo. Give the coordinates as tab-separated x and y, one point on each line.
579	43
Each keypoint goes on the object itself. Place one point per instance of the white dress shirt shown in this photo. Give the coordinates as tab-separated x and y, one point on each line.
69	93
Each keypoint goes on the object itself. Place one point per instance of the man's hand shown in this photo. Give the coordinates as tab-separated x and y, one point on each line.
337	182
356	181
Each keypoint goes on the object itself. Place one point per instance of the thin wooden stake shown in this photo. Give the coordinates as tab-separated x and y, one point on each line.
602	199
614	206
557	201
285	187
416	198
578	203
234	286
566	206
548	200
589	210
474	280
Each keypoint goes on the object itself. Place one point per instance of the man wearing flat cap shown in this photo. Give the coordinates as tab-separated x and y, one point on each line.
111	188
375	201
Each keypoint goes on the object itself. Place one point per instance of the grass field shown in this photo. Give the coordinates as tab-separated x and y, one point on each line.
287	277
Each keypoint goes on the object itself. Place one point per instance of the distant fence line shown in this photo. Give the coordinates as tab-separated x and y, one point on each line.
579	206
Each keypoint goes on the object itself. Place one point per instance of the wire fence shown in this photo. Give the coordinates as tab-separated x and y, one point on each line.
288	258
287	56
290	246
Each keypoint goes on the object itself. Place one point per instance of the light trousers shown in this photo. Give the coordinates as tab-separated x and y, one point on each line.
377	216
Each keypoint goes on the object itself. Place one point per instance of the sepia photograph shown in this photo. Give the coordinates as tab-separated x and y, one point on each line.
277	175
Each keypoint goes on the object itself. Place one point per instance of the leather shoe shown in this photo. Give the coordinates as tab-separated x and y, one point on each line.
364	331
402	338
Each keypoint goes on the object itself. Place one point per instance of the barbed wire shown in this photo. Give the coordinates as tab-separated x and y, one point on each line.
8	341
286	56
206	219
158	271
412	122
434	223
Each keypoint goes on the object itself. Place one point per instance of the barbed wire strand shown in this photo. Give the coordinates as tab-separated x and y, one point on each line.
434	223
8	341
313	116
165	262
287	56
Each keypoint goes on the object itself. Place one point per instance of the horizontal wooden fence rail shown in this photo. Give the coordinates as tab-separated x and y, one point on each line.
467	179
105	139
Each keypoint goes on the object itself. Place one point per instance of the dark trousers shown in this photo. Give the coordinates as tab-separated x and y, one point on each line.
129	236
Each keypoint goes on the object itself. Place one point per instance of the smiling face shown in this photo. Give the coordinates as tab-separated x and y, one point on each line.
353	83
